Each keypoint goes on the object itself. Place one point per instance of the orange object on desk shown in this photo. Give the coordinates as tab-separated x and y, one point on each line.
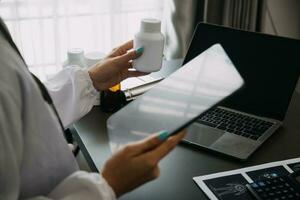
115	88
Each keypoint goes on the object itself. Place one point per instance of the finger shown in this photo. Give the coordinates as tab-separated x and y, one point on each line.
127	45
130	55
129	65
120	50
149	143
153	174
162	150
136	73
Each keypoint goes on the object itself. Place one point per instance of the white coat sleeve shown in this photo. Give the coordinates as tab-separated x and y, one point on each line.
79	185
73	93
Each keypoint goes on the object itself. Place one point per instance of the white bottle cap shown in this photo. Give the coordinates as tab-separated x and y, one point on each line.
76	57
75	54
150	25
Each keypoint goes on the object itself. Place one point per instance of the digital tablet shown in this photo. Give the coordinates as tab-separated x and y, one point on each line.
178	100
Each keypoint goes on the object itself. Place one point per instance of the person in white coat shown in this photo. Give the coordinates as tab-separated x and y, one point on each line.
35	160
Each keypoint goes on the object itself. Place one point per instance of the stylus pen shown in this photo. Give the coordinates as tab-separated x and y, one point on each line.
132	93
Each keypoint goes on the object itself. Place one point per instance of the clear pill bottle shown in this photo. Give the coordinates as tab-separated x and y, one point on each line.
75	57
151	40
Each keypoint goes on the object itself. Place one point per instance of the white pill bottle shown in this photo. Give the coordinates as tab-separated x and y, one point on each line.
151	40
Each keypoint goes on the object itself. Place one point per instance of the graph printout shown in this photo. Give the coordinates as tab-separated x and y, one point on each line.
231	185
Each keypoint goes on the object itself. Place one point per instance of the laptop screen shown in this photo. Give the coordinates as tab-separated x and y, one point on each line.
269	65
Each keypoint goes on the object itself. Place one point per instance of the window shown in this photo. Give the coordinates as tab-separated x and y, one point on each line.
45	29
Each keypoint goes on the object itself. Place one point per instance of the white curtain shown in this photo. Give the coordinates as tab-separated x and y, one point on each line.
45	29
183	15
242	14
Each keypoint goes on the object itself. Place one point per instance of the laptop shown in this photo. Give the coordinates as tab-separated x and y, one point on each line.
178	100
270	67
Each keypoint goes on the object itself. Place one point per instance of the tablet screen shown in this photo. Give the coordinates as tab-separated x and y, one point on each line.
179	99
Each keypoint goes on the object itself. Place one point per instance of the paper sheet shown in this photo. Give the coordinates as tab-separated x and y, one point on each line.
136	81
231	184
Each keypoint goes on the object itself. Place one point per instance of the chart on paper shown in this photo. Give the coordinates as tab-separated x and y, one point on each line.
231	185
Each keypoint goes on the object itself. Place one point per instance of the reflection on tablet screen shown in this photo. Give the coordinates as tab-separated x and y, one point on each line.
179	99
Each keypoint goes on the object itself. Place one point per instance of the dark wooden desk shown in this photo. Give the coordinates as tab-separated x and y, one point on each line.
178	168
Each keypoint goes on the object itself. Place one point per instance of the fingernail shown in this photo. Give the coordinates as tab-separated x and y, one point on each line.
163	135
139	51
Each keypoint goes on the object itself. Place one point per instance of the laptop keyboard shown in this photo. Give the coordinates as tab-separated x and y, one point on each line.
235	123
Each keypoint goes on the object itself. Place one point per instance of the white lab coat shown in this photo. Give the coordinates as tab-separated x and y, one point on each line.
35	161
